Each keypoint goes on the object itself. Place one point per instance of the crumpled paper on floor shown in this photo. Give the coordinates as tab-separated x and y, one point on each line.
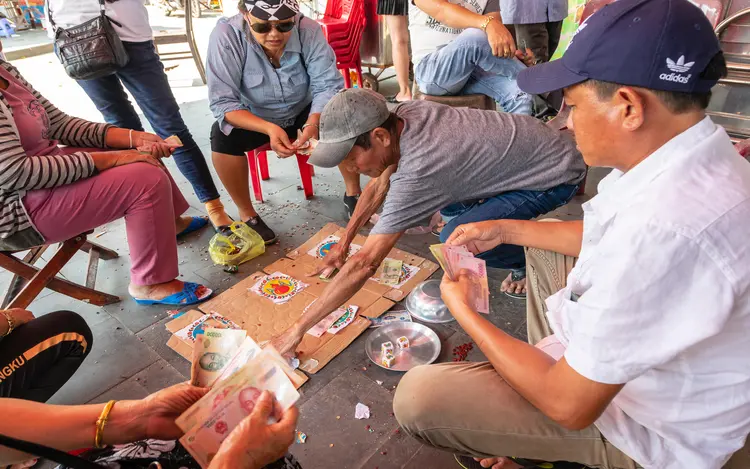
361	412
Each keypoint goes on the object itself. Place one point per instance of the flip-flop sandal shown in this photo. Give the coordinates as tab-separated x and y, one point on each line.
186	297
531	464
516	276
196	223
438	229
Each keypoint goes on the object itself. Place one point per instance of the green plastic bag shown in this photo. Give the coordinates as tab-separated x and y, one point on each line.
234	248
569	26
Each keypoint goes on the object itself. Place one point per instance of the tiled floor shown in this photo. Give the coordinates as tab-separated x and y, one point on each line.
129	358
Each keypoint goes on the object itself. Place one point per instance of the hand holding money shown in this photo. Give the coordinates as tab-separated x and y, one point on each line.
255	442
458	294
467	272
212	354
210	421
479	237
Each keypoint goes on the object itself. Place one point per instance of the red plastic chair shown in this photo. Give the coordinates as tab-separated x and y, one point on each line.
258	162
343	24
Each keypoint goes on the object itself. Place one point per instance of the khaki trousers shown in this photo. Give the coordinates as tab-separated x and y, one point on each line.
469	409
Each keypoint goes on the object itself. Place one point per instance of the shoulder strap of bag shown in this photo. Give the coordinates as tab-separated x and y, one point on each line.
46	452
52	21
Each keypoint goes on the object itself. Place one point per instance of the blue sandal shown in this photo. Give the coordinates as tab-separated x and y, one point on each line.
186	297
196	223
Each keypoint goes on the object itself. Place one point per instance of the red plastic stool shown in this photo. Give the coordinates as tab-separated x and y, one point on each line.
258	162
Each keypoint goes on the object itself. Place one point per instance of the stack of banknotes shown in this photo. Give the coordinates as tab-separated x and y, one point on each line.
453	260
237	370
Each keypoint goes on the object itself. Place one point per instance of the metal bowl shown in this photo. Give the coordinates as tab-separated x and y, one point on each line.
424	345
425	303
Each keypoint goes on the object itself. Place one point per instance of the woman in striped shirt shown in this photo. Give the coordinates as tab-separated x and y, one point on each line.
49	194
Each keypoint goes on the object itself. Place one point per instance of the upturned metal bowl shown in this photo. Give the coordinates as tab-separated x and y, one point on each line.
424	303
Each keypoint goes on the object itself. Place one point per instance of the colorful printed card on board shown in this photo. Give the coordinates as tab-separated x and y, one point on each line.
278	287
346	319
324	247
197	327
407	272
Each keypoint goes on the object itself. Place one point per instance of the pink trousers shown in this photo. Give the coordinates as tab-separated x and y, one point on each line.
145	195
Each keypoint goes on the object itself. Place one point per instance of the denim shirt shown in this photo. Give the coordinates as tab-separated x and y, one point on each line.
533	11
240	76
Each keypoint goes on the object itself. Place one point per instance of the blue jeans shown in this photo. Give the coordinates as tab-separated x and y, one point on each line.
466	66
514	205
144	77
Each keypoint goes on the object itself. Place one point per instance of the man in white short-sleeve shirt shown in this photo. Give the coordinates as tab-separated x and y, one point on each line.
642	358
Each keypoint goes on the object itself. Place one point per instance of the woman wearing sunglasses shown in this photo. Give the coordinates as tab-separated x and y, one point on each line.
270	73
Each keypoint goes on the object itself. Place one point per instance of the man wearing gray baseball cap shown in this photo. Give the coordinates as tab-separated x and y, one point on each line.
470	164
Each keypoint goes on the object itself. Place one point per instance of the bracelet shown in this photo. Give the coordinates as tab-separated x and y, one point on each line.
487	23
101	422
130	136
311	125
11	324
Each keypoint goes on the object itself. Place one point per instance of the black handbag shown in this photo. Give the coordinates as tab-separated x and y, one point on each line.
89	50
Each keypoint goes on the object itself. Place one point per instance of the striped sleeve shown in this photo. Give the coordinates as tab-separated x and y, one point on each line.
68	130
19	171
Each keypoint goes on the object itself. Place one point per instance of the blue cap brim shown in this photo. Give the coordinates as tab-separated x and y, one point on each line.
547	77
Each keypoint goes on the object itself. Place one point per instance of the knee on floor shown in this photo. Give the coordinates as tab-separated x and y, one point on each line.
418	390
67	322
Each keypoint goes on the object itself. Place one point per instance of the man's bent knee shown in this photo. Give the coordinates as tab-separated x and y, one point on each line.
412	401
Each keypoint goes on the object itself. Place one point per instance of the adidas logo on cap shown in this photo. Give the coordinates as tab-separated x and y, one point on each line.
677	67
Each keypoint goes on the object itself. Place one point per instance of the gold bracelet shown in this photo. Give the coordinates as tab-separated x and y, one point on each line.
101	422
487	23
11	324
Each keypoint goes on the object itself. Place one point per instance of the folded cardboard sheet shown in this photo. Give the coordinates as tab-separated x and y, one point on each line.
264	319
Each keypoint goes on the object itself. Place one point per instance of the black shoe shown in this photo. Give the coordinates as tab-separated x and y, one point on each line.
350	201
260	227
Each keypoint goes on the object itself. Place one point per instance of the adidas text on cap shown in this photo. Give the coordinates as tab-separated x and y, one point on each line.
655	44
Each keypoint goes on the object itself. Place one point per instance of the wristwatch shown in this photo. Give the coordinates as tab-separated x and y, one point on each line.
11	324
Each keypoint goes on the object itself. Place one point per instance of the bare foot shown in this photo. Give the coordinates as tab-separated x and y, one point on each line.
161	290
24	465
510	286
248	214
497	463
401	97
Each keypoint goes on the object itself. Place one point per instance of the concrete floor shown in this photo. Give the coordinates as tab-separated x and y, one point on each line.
130	359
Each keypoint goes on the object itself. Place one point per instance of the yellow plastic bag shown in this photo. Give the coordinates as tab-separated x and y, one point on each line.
240	246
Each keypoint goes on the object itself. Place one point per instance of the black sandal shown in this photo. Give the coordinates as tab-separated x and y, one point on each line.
517	276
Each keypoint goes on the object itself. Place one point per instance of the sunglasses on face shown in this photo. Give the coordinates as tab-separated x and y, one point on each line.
265	28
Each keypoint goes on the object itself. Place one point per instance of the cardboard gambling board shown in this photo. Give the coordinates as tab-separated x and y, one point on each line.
424	267
266	303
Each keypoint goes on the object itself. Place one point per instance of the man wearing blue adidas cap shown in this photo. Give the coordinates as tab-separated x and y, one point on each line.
639	313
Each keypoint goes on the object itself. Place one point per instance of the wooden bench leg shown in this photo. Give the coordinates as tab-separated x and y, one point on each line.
104	253
92	268
39	281
65	287
18	282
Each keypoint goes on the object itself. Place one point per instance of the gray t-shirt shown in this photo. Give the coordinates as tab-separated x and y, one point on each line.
451	155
